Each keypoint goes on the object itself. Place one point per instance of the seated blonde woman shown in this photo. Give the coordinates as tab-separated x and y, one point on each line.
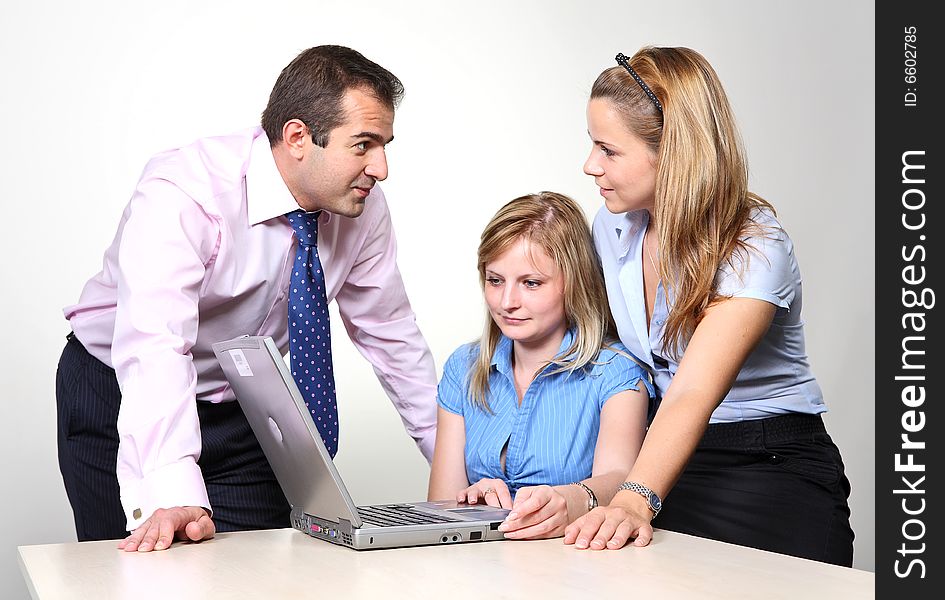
544	415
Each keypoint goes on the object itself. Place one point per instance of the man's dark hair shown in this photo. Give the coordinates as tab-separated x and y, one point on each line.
312	86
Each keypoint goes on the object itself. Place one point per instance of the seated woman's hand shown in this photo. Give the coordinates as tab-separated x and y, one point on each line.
538	512
609	527
493	492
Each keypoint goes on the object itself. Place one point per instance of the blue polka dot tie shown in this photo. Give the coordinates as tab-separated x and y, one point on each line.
309	331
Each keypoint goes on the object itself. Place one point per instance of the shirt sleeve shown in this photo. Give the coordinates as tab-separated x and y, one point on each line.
376	313
453	391
618	373
765	270
165	243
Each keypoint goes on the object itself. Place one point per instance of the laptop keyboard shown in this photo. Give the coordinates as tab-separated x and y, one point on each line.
393	515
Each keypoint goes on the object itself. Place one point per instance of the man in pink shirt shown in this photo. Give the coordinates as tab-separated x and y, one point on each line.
204	253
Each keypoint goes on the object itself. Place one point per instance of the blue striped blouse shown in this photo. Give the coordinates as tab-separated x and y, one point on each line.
552	435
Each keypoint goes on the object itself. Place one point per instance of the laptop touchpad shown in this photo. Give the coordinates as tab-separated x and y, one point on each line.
484	513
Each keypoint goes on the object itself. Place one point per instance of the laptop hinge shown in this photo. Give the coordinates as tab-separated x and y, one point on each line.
344	526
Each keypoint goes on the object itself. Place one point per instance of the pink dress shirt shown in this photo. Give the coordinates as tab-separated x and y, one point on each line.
203	254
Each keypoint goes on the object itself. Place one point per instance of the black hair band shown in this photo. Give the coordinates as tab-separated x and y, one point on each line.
623	61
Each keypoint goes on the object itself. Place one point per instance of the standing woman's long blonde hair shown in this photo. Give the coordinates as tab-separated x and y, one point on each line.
556	224
702	206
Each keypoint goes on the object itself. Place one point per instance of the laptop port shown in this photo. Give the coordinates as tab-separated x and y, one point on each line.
494	526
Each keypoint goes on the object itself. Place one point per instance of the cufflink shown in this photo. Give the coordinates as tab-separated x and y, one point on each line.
136	513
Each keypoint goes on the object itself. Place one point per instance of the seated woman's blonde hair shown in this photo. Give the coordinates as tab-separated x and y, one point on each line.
556	224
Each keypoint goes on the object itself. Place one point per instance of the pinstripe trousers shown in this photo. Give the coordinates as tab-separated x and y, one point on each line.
243	491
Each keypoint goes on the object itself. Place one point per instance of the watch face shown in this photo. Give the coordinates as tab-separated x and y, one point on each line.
654	501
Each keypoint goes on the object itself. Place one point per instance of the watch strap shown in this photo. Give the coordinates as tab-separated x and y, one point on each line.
653	501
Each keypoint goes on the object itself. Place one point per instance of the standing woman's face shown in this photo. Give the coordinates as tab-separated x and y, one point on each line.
622	165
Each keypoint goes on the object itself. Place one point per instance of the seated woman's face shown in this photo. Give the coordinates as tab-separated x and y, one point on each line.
525	293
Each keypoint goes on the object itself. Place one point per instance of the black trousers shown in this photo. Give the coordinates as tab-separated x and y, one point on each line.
776	484
243	491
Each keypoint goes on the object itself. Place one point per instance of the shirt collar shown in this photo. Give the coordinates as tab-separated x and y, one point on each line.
502	357
267	195
626	228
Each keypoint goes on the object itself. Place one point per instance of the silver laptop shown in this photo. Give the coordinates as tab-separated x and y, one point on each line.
321	505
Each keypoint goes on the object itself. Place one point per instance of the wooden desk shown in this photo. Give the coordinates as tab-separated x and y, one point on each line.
284	563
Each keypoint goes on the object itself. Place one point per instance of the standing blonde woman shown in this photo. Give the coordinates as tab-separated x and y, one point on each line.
704	287
547	407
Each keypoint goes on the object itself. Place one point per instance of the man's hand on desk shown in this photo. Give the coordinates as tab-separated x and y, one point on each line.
610	527
167	524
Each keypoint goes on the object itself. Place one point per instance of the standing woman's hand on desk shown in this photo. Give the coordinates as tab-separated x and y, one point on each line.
610	527
167	524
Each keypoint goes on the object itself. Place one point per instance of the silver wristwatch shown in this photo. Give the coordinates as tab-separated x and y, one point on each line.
591	496
653	500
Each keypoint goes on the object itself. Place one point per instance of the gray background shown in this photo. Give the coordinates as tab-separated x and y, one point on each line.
495	103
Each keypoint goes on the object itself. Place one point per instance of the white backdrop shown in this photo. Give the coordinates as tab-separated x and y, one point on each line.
495	103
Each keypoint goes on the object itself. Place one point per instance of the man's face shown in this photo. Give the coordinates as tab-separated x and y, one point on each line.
338	177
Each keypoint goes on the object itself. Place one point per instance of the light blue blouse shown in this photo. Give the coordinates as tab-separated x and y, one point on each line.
552	435
776	378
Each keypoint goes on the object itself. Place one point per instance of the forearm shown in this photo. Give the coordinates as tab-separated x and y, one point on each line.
375	309
670	441
404	367
159	438
714	356
448	471
166	243
444	487
603	485
379	321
